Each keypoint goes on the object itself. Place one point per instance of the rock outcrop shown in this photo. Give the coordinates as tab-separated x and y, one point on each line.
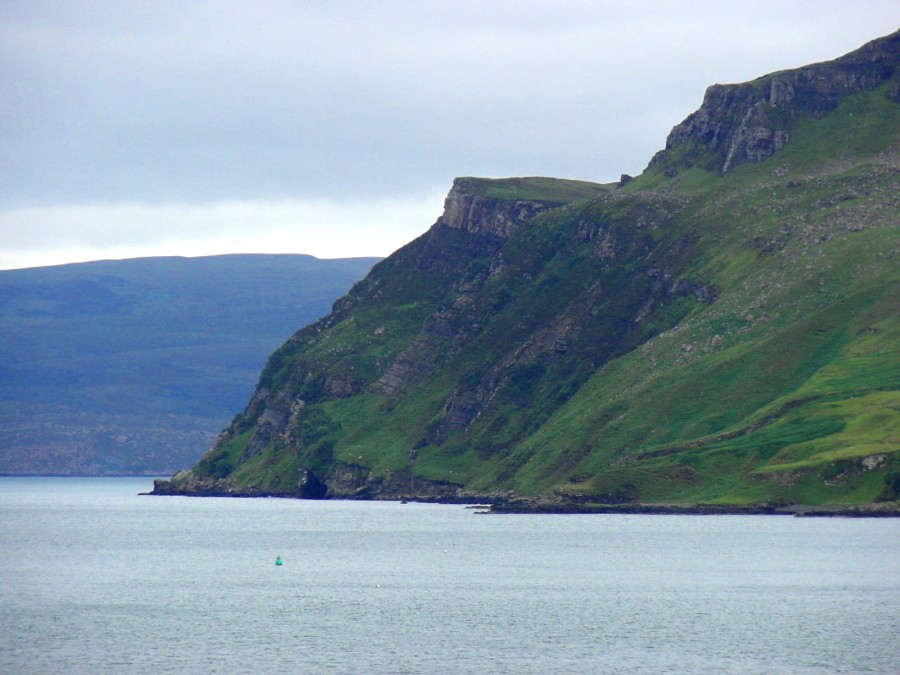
750	122
477	214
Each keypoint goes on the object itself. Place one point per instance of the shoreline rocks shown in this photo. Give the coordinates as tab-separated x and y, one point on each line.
513	505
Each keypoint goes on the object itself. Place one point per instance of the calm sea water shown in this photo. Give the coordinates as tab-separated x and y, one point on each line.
96	579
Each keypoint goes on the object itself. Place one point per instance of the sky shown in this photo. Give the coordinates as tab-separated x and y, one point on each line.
335	128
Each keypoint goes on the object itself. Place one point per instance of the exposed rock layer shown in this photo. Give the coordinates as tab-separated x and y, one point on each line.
750	122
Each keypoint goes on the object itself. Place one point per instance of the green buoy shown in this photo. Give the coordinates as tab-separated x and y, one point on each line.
278	561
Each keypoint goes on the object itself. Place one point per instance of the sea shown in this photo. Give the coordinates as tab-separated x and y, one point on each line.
97	578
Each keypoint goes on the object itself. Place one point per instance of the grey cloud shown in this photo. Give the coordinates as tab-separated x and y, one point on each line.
193	102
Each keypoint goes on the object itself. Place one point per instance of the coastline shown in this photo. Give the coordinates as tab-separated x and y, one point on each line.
511	504
796	510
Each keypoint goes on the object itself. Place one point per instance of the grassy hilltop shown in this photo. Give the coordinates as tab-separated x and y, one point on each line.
721	330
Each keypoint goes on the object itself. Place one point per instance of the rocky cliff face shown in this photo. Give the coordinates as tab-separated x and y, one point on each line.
750	122
477	214
486	224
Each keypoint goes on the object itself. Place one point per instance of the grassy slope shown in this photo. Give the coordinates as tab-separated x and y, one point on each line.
777	391
551	190
772	394
783	390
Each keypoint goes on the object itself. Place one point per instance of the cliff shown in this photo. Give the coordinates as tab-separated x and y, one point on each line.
721	330
750	122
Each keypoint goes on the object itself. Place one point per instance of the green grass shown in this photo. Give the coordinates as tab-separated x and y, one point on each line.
864	125
553	190
222	460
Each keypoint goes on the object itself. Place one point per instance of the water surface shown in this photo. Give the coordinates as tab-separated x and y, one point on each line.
96	579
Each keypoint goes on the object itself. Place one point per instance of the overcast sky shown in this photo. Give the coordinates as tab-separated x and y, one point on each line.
336	128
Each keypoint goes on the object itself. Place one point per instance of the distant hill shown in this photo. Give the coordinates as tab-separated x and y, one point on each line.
134	366
721	331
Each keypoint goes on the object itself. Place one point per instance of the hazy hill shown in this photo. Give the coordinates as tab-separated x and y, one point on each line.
722	329
134	366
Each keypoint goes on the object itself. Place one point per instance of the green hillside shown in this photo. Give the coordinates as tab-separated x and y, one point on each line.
721	330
